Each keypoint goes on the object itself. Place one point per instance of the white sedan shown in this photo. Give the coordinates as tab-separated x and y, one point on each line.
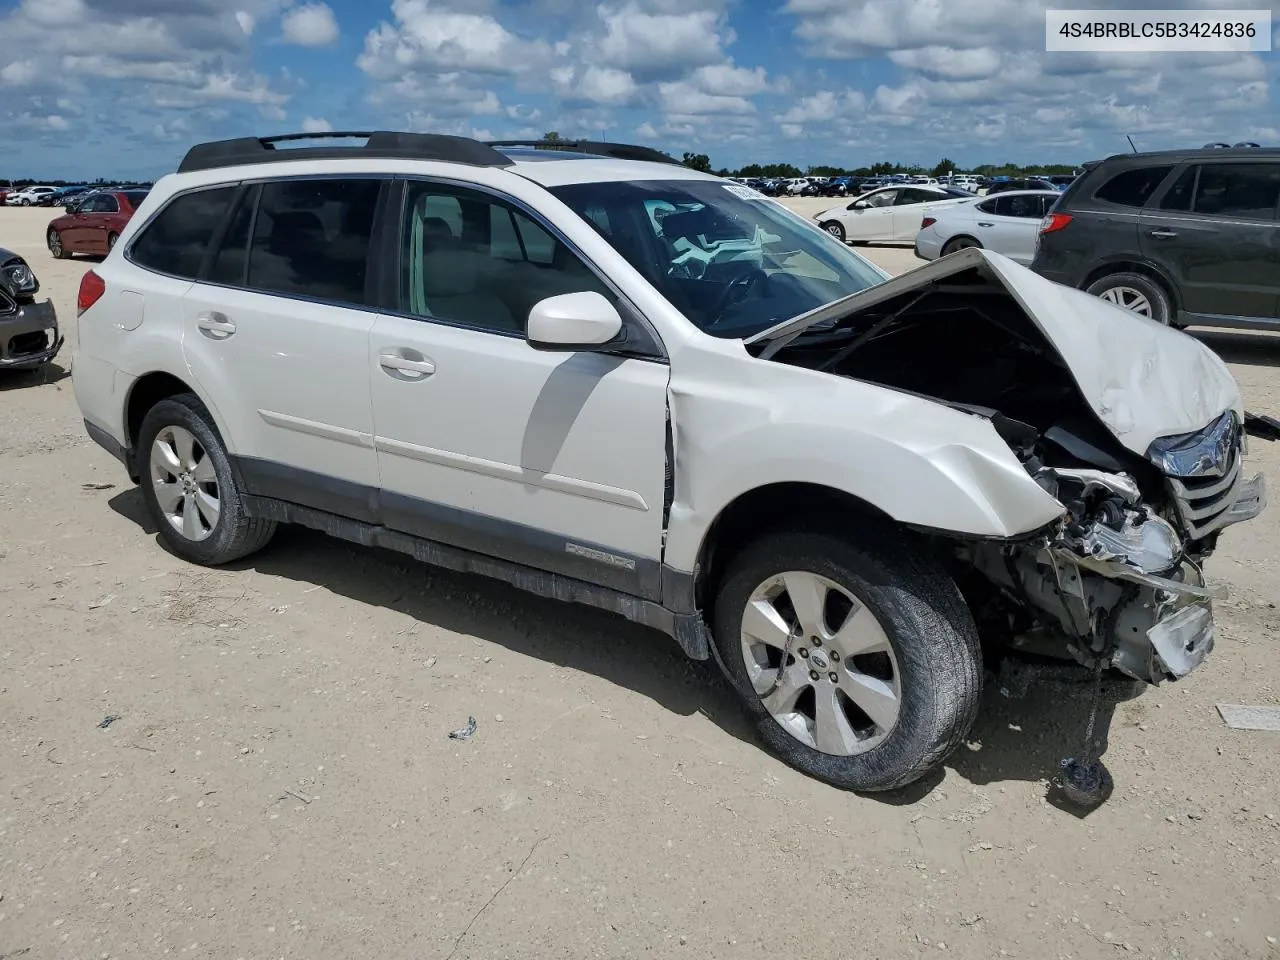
1007	223
888	215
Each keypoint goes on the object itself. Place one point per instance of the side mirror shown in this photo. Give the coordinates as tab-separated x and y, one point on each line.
859	205
573	322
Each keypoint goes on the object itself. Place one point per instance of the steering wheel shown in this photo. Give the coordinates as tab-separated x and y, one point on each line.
737	291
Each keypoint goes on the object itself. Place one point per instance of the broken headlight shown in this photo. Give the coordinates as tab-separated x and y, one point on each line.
19	278
1204	453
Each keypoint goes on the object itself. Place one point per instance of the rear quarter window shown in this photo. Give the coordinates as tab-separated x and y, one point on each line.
176	240
1132	188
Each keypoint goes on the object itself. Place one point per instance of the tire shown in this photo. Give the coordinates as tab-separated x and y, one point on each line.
959	243
930	650
1148	296
833	227
54	240
198	534
111	241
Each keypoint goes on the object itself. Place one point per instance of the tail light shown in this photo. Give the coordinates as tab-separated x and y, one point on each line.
92	287
1054	222
928	222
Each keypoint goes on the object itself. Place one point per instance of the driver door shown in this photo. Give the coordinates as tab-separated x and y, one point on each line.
870	217
555	460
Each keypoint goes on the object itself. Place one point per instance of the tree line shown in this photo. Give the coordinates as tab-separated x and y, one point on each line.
700	161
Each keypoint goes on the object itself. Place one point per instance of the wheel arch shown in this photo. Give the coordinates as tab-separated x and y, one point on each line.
768	509
148	390
961	236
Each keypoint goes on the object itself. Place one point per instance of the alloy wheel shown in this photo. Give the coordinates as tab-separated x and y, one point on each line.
184	482
55	243
821	663
1129	298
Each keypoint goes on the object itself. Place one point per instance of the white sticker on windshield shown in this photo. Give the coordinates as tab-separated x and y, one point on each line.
744	193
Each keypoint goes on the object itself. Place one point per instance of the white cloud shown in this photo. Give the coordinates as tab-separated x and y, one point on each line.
310	25
653	44
19	73
316	125
684	97
949	62
823	106
57	122
429	38
724	79
594	84
246	21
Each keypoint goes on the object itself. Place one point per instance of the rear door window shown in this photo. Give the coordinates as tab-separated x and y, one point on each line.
1250	191
311	238
176	240
1178	197
1132	188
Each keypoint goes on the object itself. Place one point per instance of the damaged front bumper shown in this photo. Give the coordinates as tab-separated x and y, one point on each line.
29	336
1115	580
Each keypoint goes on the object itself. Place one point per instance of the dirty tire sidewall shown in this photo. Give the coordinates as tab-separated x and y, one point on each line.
236	535
929	626
1153	290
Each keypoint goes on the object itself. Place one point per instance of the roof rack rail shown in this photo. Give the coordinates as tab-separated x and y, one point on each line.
1231	146
617	151
378	144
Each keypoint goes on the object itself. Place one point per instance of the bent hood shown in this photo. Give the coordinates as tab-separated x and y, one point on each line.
1143	380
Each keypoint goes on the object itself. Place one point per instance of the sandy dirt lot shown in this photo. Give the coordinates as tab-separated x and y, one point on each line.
279	781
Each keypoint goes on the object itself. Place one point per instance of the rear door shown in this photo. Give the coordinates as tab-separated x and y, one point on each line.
1009	223
277	328
908	210
1215	233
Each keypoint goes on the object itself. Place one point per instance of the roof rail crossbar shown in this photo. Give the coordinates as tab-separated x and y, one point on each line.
378	144
617	151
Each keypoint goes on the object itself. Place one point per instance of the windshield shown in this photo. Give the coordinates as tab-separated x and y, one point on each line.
731	260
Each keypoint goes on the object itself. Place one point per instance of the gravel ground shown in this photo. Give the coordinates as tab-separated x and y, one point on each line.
278	781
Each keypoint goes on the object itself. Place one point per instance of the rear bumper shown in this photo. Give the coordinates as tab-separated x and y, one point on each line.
29	337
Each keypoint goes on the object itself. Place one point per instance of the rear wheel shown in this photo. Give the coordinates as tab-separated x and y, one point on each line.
189	488
54	239
835	228
1135	292
959	243
859	666
111	241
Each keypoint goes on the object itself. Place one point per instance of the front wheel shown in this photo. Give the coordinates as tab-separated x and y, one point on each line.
1135	292
835	228
859	666
189	488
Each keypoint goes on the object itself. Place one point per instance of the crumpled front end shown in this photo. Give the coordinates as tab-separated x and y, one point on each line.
1119	579
29	335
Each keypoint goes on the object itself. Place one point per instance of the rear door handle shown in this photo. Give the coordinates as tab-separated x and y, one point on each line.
215	325
1163	234
981	224
402	367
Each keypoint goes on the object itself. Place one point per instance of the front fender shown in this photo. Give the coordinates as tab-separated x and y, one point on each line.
917	461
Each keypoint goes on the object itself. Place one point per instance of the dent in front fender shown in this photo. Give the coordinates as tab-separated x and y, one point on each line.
917	461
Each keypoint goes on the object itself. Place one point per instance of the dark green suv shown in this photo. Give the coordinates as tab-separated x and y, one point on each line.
1184	237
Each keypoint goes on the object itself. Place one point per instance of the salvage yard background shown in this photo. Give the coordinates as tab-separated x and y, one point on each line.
279	781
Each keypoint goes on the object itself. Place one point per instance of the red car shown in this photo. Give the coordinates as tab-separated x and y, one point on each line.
96	224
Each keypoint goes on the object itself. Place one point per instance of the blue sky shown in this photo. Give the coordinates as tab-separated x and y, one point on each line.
120	88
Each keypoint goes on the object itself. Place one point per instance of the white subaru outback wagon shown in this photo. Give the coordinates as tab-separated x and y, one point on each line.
609	379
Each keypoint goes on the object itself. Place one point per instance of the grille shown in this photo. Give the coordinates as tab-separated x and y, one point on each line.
1202	502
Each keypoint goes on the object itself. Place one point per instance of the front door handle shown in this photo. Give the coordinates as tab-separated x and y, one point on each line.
1163	234
981	224
413	366
215	325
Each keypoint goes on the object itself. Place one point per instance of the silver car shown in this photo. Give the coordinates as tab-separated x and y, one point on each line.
1007	223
